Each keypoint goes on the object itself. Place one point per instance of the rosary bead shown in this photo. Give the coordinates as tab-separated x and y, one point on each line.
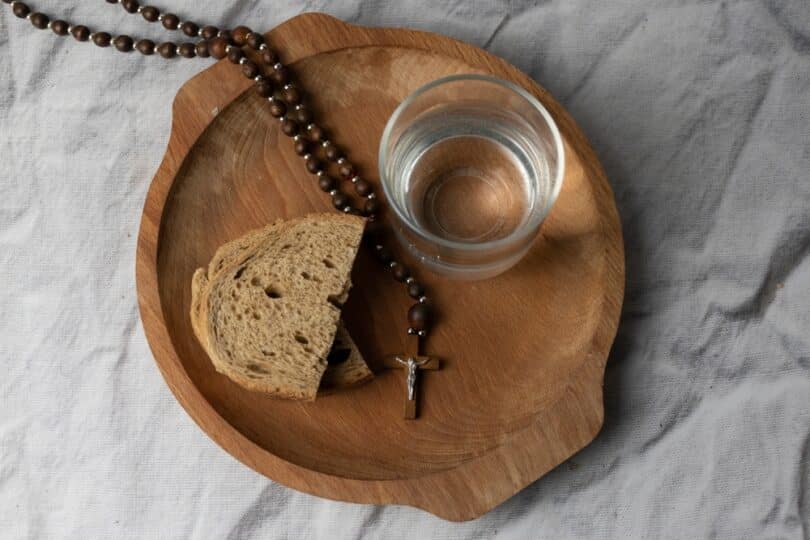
371	207
419	317
313	165
301	147
316	133
20	9
187	50
81	33
254	40
218	48
340	200
362	187
415	290
39	20
346	170
123	43
170	21
150	13
289	127
277	109
167	49
102	39
131	6
326	183
264	87
60	28
291	95
384	256
250	69
400	271
209	32
227	36
280	74
240	35
303	114
145	46
269	56
331	151
235	54
201	48
190	29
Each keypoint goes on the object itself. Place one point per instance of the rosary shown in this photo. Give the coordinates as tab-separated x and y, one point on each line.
273	81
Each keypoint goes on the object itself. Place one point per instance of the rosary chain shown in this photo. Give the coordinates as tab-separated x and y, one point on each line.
286	104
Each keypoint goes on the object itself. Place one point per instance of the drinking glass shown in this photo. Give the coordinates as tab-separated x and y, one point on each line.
471	166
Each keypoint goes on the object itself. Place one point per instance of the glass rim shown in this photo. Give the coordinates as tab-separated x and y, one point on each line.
518	234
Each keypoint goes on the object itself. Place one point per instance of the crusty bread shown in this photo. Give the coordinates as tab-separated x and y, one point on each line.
267	307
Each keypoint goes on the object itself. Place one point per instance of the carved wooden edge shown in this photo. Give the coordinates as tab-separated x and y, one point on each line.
489	479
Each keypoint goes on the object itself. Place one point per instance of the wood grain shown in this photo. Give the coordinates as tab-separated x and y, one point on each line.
523	354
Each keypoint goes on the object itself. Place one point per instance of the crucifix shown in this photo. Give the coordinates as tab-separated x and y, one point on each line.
413	364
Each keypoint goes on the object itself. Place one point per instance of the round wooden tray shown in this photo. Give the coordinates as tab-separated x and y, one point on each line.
523	354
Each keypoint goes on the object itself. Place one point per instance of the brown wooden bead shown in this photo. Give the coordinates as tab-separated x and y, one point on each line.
419	317
20	9
384	255
167	49
316	133
187	50
415	290
346	170
39	20
291	95
326	183
218	48
240	34
362	188
145	46
280	74
278	109
227	36
250	69
289	127
301	147
81	33
340	200
235	54
303	115
331	151
123	43
60	28
201	48
150	13
254	40
170	21
209	32
371	207
190	29
400	271
313	165
102	39
131	6
264	88
269	56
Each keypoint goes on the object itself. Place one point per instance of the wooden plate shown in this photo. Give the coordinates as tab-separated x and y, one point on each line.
524	353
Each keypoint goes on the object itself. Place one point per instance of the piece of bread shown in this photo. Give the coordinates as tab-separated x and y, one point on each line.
267	307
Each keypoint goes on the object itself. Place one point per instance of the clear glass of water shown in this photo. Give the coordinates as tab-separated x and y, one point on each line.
471	166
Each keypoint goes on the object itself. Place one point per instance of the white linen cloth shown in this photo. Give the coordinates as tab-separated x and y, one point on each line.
700	112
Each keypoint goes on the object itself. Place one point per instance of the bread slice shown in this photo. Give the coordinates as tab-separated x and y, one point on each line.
267	307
